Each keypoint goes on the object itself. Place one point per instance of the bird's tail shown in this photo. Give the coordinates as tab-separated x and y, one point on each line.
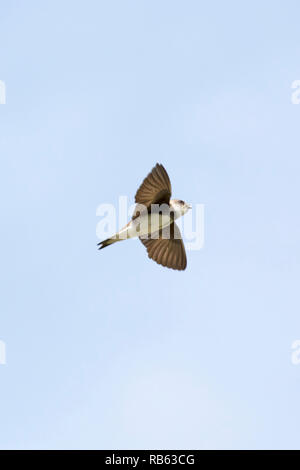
108	241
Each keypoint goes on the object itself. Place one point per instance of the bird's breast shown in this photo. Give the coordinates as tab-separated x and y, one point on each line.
148	223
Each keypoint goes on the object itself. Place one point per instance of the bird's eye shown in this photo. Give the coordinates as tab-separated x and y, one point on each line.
181	202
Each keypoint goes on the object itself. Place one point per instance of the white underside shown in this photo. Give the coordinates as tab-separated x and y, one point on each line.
145	225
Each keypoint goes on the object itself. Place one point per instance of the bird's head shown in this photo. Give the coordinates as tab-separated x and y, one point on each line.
179	206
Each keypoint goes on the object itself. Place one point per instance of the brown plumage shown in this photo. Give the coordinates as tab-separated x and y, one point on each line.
167	249
164	245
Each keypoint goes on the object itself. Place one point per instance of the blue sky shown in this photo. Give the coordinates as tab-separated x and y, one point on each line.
108	349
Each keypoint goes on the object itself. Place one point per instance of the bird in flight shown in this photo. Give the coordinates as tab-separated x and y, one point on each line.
153	221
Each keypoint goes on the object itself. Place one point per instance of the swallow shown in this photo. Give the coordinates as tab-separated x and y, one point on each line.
153	221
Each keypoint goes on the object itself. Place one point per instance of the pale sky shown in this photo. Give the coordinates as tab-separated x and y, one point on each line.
108	349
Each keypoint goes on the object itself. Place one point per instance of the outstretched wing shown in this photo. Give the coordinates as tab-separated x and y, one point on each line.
155	189
166	248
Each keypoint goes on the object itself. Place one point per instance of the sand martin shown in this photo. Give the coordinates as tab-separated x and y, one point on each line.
153	221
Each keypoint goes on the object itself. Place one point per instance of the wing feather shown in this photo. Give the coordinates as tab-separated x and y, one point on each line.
168	249
155	189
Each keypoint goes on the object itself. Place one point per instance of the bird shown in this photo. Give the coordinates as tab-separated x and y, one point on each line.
153	221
